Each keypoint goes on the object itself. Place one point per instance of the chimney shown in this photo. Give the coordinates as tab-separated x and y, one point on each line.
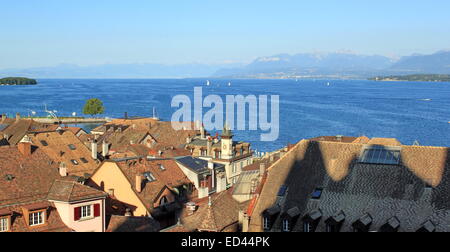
188	140
63	169
25	148
262	170
271	158
111	192
210	165
17	117
128	212
105	149
202	131
3	118
139	179
94	149
209	147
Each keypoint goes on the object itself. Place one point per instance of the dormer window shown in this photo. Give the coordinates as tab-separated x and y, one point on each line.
391	226
289	219
36	218
363	224
269	217
427	227
4	223
311	221
334	224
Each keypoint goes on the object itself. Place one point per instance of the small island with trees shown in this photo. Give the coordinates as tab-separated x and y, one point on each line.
415	77
17	81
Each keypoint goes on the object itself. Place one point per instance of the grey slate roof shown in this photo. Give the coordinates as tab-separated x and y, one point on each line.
399	195
197	165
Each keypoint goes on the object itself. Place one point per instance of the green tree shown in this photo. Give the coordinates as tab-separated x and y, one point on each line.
93	107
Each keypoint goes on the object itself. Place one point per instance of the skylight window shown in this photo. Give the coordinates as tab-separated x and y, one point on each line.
282	191
162	168
44	143
380	155
317	194
72	147
149	176
84	160
75	162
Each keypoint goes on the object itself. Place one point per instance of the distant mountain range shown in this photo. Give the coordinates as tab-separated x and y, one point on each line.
339	65
118	71
306	65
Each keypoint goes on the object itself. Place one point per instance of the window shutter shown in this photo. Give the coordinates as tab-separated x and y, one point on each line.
96	210
77	213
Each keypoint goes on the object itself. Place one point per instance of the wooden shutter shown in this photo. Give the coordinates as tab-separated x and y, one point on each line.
96	210
77	213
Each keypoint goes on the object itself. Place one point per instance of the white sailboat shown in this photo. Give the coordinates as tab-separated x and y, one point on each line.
208	83
229	84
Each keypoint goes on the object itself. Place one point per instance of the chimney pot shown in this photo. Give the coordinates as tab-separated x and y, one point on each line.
17	116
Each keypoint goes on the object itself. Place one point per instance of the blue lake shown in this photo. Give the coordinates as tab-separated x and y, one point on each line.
403	110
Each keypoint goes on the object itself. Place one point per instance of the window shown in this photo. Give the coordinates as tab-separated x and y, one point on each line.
266	223
380	155
163	201
84	160
86	212
317	193
44	143
307	227
72	147
75	162
149	176
36	218
286	226
4	224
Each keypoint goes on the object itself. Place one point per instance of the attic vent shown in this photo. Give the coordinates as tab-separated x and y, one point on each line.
9	177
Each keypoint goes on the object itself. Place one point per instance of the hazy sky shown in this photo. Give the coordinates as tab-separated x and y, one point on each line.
51	32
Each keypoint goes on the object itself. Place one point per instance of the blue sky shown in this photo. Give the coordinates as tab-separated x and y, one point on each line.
52	32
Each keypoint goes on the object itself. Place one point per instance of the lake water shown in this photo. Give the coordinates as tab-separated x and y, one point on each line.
403	110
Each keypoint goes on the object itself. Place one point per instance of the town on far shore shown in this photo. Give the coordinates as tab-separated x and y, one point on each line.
138	174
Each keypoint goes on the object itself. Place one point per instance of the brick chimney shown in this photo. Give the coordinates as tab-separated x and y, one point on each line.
191	207
25	148
17	117
262	170
139	179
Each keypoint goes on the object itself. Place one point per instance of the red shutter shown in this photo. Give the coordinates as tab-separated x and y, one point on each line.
77	213
96	210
